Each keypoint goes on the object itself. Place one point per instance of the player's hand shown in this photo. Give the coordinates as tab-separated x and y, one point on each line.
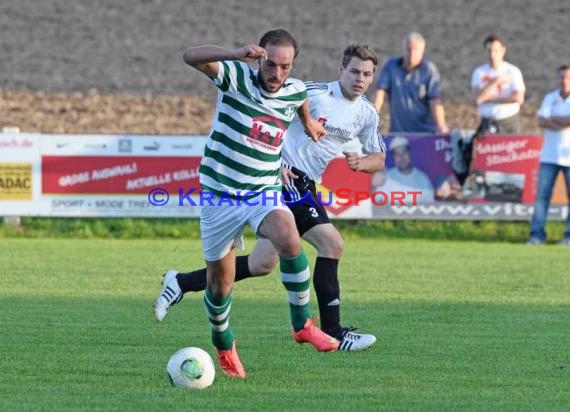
353	160
287	176
314	129
250	53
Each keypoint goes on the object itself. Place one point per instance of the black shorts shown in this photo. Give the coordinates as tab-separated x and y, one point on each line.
301	198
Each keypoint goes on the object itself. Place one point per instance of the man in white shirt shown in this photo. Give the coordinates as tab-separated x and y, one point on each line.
497	89
554	117
347	117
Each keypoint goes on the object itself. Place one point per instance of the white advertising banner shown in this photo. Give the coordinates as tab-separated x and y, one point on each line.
158	176
97	175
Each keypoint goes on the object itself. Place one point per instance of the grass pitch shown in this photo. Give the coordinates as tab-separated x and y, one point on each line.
461	326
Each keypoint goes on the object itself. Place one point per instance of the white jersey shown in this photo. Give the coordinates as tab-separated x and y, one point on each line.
346	122
485	74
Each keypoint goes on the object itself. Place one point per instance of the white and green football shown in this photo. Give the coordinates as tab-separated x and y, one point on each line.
191	368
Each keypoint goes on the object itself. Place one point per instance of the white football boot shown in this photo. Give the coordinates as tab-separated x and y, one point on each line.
351	341
170	295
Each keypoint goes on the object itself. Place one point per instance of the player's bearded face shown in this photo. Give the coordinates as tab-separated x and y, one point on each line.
274	70
356	77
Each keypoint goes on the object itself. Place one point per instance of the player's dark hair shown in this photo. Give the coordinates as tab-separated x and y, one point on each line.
279	37
493	38
362	51
564	67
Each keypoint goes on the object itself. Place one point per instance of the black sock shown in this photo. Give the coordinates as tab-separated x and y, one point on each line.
325	280
242	268
196	281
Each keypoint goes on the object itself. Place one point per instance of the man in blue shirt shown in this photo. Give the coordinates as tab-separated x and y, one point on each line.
412	84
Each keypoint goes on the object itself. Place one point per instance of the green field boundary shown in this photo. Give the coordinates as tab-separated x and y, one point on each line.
140	228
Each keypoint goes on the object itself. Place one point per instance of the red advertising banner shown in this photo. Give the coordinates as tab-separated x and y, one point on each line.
118	174
504	169
508	166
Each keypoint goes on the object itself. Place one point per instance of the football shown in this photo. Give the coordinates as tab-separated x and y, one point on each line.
191	368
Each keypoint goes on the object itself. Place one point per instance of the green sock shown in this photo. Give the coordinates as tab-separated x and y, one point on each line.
218	310
296	278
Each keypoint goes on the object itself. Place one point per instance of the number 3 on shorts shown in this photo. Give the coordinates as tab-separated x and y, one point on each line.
314	212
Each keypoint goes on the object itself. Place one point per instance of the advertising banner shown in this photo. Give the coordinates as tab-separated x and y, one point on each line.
157	176
97	175
501	184
115	175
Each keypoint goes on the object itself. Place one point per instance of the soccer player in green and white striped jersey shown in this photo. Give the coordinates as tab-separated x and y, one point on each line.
348	118
242	161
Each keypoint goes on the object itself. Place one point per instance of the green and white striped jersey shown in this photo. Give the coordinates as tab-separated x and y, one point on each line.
243	153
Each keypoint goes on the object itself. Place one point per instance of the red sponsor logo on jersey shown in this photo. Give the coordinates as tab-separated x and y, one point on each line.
259	135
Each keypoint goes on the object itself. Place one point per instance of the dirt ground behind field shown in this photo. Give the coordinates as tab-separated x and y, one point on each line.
103	66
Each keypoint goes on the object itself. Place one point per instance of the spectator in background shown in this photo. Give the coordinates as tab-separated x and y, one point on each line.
404	176
412	84
554	117
497	89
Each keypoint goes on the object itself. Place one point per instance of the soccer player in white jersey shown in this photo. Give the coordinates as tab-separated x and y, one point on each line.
347	116
243	155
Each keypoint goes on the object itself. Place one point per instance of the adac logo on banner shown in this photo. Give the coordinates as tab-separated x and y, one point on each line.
339	176
15	181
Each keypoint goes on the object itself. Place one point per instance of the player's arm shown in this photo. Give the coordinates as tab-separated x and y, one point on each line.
206	58
313	128
369	163
373	146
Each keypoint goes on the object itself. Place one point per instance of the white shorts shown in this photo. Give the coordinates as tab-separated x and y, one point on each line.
222	226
